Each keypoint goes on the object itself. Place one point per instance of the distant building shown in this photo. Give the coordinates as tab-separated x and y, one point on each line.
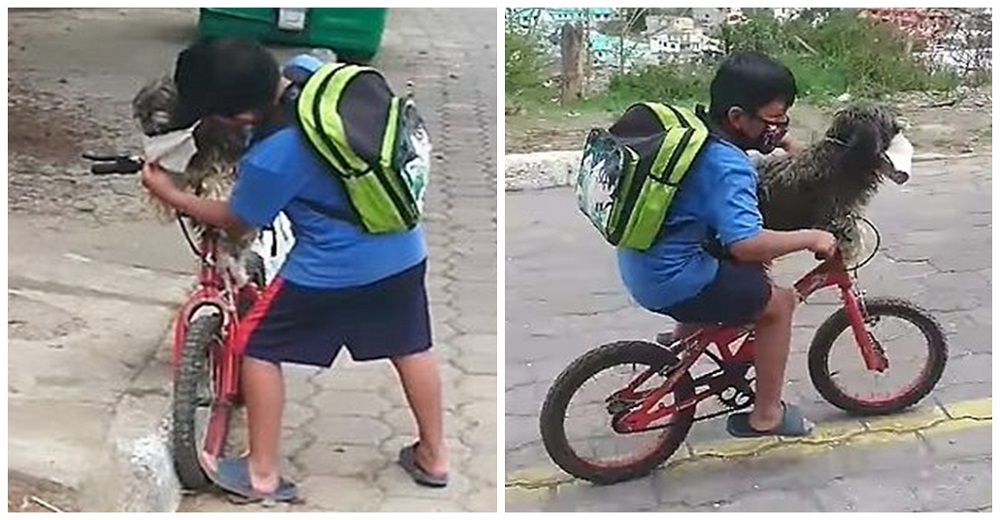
579	14
923	25
680	38
606	50
548	20
734	15
708	18
784	14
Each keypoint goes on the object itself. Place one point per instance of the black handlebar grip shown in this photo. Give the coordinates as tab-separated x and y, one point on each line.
104	157
115	168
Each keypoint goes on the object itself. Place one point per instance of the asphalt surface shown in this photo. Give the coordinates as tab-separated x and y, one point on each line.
563	297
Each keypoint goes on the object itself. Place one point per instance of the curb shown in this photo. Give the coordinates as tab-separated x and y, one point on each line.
541	170
529	484
137	473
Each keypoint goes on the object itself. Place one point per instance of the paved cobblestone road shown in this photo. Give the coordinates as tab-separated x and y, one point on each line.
563	297
344	428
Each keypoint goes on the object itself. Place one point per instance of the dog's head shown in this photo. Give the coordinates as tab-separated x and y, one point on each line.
155	107
867	131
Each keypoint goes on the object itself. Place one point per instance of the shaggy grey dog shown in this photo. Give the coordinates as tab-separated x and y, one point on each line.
210	173
828	185
211	170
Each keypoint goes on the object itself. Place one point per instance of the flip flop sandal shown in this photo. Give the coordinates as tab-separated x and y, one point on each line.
793	424
233	477
408	461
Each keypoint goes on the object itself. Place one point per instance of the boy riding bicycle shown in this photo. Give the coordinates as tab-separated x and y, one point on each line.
677	276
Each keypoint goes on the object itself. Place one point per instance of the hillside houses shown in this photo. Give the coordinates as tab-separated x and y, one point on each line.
686	34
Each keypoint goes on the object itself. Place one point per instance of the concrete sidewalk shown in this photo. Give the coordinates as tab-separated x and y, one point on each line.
86	392
94	281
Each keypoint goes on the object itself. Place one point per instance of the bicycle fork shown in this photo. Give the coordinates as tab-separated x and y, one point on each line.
871	350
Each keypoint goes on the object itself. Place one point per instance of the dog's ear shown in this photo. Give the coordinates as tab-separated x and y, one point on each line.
863	147
864	140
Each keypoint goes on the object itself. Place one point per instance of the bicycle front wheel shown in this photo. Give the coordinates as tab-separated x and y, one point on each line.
193	413
909	338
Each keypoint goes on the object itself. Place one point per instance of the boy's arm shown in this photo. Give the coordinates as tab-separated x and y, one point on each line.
736	218
768	245
212	212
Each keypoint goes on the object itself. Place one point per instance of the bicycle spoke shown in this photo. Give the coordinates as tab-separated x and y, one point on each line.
589	424
906	351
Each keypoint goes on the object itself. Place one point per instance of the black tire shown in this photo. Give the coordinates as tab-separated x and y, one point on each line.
191	371
837	323
569	381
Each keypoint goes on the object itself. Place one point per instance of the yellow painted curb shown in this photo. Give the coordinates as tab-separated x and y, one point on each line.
535	483
978	409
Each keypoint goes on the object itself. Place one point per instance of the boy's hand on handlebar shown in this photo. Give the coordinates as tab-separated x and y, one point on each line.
158	182
823	244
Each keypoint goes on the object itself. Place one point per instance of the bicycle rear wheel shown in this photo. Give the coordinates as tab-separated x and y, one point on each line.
599	414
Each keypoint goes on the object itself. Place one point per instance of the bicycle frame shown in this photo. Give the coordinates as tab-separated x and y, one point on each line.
735	348
215	289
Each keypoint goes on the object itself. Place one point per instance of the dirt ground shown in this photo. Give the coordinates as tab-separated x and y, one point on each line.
964	127
62	102
27	494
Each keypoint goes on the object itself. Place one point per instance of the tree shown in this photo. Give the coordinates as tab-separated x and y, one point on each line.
634	18
631	18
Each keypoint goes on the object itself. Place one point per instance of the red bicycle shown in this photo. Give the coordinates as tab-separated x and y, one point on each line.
205	364
641	406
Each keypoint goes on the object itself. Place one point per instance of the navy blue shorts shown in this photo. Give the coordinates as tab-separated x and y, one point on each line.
736	296
292	323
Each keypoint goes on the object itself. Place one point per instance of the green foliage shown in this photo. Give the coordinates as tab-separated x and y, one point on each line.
524	64
841	53
666	82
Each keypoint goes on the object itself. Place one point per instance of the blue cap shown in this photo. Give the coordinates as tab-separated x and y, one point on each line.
301	67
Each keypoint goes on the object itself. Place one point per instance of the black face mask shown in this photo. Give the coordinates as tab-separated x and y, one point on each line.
768	140
765	143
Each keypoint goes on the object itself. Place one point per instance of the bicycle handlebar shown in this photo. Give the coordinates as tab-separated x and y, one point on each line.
114	164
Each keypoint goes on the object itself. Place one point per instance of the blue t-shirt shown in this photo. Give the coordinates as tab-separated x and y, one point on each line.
718	193
280	173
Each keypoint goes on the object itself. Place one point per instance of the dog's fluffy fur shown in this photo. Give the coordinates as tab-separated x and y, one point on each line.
211	172
828	185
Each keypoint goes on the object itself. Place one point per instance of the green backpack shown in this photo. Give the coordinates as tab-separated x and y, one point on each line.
374	141
630	173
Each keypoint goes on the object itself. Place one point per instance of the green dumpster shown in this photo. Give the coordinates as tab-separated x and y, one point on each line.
353	33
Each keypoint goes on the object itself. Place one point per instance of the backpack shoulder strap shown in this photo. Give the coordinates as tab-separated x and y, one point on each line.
671	116
686	134
320	120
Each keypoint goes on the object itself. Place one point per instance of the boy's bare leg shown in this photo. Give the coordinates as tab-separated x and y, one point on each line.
422	385
772	340
264	391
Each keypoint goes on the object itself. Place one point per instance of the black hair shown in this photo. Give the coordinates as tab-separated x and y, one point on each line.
223	77
749	80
